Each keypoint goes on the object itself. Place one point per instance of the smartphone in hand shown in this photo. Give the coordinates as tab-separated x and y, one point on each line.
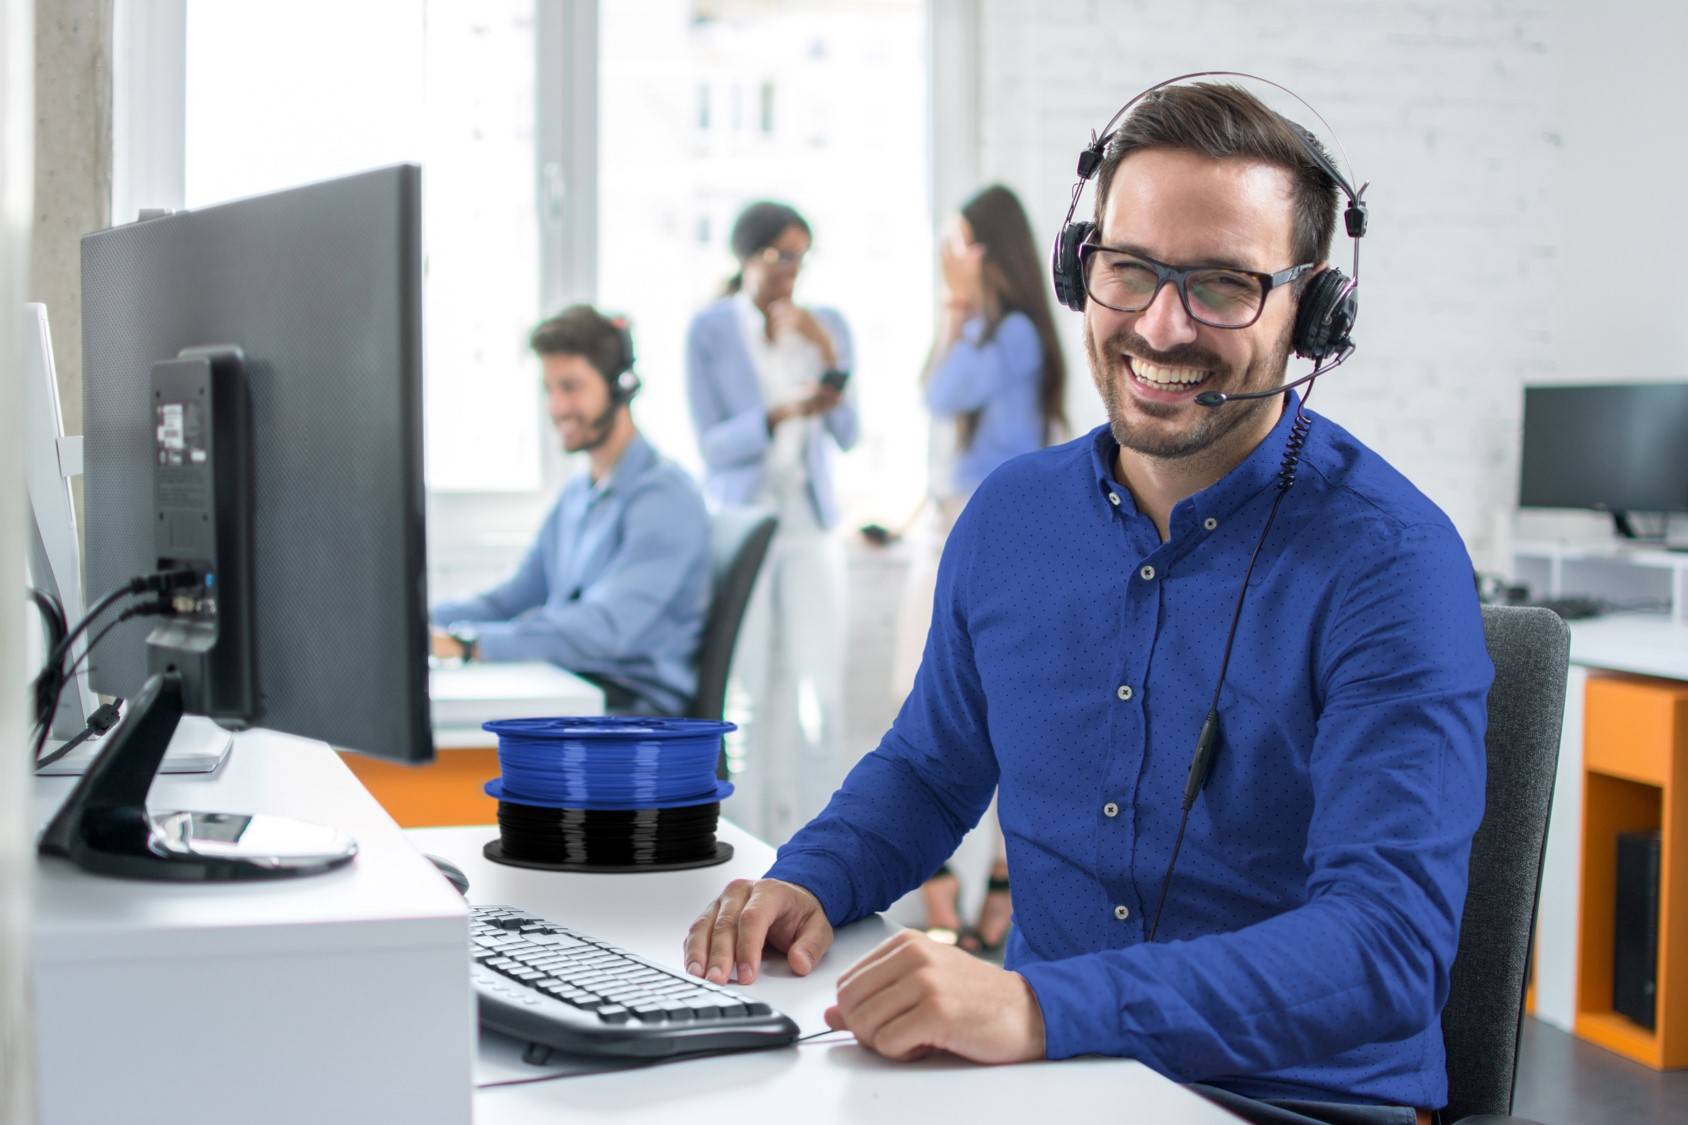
835	380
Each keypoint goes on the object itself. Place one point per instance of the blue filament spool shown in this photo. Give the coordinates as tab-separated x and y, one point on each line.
608	793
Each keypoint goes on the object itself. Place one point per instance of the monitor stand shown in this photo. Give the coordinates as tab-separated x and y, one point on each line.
105	826
1624	528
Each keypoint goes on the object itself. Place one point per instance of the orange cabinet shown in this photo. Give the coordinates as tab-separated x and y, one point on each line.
1635	778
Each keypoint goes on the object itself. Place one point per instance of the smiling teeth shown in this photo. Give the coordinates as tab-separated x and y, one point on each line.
1157	376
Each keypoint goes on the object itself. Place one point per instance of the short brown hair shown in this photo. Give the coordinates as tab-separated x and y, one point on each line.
1222	120
583	331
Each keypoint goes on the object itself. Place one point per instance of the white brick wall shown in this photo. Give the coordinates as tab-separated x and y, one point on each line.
1447	108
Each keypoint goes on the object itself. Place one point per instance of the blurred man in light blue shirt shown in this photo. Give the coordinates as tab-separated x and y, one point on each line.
616	585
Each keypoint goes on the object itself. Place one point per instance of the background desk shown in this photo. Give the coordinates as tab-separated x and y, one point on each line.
831	1080
1570	973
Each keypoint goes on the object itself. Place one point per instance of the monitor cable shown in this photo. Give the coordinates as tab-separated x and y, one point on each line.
54	677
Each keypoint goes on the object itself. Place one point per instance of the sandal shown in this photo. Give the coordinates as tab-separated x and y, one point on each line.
983	946
947	935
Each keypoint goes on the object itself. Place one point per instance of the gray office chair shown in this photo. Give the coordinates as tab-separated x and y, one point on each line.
738	545
1484	1016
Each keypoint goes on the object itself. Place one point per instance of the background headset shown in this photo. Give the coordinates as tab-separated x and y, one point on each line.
1330	302
1324	322
624	381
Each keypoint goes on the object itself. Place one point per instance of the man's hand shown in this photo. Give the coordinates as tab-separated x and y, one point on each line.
912	996
733	929
444	646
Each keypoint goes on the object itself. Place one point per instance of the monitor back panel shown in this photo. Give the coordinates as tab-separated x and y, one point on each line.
321	288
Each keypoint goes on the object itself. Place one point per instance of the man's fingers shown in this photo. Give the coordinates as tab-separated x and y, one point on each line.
879	965
723	931
867	1016
813	940
697	940
906	1036
763	909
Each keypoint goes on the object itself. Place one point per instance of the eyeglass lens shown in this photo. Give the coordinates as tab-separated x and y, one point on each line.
1218	297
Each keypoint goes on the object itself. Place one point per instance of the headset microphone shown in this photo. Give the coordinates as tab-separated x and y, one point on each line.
1220	398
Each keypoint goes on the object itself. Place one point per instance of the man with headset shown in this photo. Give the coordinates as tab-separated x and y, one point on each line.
616	585
1104	607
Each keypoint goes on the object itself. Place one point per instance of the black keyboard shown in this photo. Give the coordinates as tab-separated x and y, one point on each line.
1572	608
548	984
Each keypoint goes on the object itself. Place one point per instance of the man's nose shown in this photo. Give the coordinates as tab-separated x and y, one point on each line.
1165	324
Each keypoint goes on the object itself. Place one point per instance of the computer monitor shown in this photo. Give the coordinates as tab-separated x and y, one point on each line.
1616	447
294	498
54	565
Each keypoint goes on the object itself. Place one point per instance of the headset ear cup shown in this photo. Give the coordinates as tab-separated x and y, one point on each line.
626	386
1068	273
1325	316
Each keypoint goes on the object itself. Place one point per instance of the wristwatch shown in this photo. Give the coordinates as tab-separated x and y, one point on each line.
467	639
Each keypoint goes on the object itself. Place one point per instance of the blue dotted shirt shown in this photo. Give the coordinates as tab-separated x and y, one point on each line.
1307	939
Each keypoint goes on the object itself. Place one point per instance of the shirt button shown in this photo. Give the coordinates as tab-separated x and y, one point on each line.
1210	523
1110	810
1113	498
1124	693
1147	573
1122	912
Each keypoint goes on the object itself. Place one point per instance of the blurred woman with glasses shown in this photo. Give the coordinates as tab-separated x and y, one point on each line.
768	384
994	383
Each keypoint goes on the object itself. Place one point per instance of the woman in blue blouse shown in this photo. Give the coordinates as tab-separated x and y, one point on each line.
768	384
994	385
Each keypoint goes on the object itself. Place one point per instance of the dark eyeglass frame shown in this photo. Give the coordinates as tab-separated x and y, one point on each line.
774	256
1180	277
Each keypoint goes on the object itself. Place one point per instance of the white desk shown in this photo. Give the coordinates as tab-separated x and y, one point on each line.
463	697
263	1002
831	1080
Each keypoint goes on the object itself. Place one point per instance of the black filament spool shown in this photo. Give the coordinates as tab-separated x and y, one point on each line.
607	840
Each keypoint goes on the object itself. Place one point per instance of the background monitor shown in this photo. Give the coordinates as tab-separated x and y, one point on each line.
320	288
1615	447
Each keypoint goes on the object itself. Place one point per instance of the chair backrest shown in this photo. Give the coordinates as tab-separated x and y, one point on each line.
1483	1019
738	544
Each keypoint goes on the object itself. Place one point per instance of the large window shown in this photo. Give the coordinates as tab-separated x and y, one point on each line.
582	151
281	95
706	105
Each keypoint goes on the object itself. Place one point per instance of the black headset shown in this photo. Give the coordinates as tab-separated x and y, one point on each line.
1324	320
624	381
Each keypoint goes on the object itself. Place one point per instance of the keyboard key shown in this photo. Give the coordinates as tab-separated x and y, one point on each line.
558	941
614	1013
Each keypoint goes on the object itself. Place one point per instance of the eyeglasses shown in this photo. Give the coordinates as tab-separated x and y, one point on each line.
1219	298
774	256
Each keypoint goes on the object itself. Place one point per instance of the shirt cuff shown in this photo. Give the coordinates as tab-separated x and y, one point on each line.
823	877
499	641
1077	1018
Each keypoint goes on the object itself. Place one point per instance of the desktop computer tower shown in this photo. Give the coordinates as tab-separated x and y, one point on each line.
1635	945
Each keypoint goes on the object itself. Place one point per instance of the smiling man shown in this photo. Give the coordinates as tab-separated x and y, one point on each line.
616	585
1083	606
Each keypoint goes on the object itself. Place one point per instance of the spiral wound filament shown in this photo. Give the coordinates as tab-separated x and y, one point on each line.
614	793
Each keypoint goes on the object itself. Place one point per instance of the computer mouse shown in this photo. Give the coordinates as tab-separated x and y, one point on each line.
453	874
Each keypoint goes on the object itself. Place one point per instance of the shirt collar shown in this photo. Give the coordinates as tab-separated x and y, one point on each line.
1218	500
634	460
